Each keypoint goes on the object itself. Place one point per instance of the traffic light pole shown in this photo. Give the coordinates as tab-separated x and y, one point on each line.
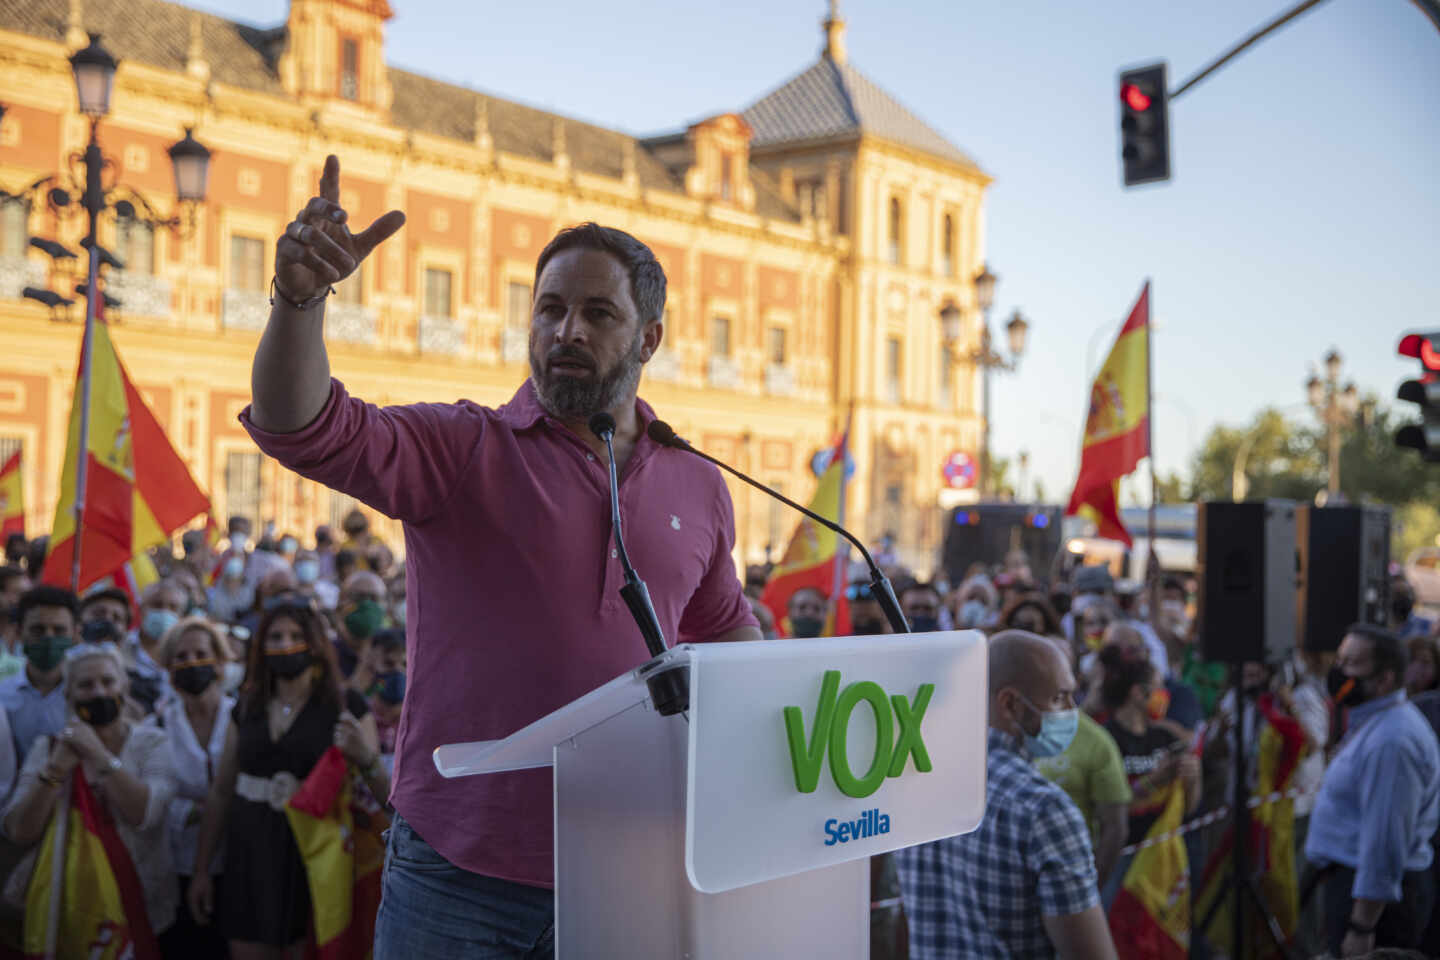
1245	44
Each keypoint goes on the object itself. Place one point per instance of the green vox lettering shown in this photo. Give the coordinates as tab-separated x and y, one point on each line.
831	731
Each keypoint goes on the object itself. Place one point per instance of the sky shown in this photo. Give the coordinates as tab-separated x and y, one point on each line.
1303	211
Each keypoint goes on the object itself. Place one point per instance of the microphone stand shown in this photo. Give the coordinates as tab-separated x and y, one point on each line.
880	586
669	689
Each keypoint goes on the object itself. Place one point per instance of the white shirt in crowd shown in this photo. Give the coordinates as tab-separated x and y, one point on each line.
194	770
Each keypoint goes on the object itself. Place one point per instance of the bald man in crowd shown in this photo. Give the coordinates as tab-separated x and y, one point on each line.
1024	883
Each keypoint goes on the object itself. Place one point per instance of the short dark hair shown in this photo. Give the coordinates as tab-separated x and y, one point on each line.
388	639
1124	668
1386	648
918	586
46	595
647	277
109	593
1036	601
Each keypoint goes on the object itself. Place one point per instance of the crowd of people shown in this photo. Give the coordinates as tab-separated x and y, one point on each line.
194	713
1104	712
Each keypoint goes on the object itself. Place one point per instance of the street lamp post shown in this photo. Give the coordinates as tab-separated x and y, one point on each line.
985	356
1336	408
94	70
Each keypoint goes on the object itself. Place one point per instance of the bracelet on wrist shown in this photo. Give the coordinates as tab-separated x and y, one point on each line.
302	305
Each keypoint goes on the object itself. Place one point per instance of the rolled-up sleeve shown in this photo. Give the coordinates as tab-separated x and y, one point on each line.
1388	823
1058	853
402	460
718	604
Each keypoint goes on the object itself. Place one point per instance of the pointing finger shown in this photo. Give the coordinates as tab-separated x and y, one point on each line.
378	232
330	179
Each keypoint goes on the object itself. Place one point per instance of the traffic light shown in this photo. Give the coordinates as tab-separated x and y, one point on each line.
1424	436
1144	125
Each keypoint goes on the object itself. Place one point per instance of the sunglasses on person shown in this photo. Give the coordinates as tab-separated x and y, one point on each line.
858	591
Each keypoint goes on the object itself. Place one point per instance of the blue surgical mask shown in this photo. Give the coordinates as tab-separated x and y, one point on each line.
1057	731
156	622
235	567
239	541
973	614
307	571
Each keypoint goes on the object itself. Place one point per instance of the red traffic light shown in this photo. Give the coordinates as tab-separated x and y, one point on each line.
1421	347
1134	97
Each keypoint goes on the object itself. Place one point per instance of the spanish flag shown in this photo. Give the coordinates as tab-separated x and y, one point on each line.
1271	851
12	499
84	891
1150	917
341	845
1117	425
814	556
138	490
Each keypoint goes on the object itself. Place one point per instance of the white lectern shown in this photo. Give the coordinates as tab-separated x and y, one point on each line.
743	828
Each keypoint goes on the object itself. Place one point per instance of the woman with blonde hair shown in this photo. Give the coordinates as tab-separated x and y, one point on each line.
127	765
193	653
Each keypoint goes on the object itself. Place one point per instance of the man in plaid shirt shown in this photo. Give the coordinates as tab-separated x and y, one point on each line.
1023	885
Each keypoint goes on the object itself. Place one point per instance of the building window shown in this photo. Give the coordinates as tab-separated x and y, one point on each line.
437	292
247	263
351	290
349	69
775	346
947	246
727	176
720	336
14	232
242	486
135	245
894	250
517	306
892	369
947	376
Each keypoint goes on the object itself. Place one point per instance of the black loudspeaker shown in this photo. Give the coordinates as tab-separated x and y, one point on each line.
1247	566
1344	559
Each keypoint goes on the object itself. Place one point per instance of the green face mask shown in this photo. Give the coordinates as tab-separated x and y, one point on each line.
45	655
364	619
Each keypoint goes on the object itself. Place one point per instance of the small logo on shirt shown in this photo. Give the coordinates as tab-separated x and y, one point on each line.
674	522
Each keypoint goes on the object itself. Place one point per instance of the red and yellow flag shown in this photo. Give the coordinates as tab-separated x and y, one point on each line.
343	851
12	499
1150	918
138	490
814	551
1117	425
100	913
1271	850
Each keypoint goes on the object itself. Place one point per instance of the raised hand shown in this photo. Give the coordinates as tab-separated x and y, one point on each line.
318	249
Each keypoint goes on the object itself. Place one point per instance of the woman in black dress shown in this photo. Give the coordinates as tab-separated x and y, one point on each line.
289	713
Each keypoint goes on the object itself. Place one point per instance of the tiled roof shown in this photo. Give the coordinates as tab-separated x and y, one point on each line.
831	100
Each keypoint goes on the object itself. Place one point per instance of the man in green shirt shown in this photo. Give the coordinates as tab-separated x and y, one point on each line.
1093	774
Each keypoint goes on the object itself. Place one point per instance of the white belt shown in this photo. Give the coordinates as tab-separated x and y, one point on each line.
275	791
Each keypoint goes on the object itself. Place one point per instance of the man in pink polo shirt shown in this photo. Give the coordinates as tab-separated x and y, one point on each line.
512	577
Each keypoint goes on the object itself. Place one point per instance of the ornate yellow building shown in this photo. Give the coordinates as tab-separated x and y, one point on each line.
810	241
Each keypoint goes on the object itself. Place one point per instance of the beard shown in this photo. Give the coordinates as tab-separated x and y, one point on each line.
579	398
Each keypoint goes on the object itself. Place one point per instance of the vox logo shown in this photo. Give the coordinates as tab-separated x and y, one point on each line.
831	728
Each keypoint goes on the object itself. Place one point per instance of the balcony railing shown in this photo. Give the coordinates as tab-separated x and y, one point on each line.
141	294
244	309
663	365
441	335
723	372
779	380
17	273
351	323
515	345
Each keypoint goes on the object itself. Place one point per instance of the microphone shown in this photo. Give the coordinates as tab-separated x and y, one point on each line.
662	433
669	691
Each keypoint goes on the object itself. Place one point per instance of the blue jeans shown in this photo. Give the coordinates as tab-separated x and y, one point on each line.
431	908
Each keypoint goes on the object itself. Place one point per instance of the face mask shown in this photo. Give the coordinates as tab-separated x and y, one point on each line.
1345	690
157	622
288	664
288	546
98	711
806	628
233	676
399	615
239	541
924	624
1057	730
235	567
307	571
194	678
1082	603
868	628
973	614
45	655
366	617
392	687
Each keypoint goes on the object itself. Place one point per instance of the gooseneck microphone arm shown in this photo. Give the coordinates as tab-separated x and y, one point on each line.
880	586
669	690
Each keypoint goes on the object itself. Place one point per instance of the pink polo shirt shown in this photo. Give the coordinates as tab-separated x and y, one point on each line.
512	587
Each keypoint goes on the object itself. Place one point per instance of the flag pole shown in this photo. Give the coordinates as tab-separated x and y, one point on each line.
82	460
1152	573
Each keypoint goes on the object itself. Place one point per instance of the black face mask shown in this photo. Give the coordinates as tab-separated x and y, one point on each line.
867	628
194	679
99	711
924	624
288	664
806	628
1356	694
